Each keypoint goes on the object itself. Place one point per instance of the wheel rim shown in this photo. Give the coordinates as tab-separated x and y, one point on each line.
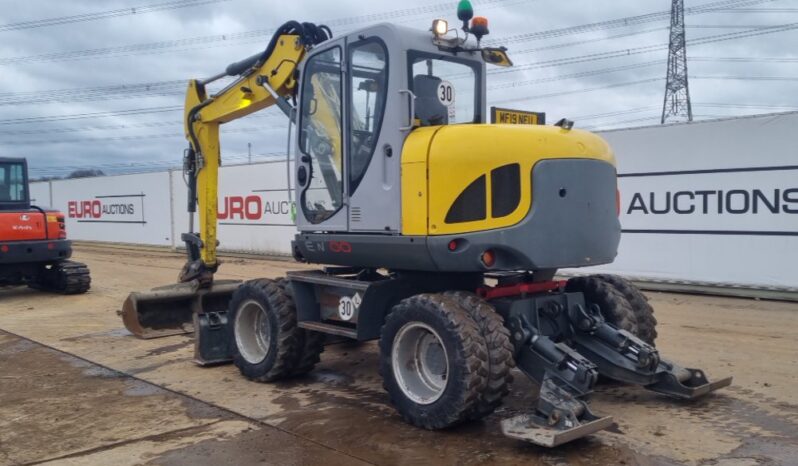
252	332
420	363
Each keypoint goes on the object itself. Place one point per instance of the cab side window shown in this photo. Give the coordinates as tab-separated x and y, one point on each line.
368	89
321	135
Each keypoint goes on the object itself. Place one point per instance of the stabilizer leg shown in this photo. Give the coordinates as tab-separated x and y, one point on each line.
564	377
622	356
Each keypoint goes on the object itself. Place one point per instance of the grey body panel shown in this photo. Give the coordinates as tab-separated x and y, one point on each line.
578	229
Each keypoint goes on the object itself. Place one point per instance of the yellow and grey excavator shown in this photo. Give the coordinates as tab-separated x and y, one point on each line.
441	236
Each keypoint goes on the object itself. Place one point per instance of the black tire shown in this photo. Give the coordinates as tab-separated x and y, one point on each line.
467	355
311	344
614	306
66	277
284	339
500	351
646	322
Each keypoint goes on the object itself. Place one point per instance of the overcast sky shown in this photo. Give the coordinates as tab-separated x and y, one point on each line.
622	87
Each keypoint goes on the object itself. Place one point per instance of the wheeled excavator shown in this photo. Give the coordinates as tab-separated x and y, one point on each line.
440	236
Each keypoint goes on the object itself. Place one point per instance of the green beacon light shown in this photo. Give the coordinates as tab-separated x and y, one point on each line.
465	12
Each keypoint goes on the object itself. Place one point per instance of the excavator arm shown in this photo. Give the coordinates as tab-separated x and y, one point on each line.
266	79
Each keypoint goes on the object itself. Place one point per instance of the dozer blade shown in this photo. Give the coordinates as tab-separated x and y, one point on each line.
538	430
169	310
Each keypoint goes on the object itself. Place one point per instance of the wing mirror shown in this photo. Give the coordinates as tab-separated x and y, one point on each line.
496	56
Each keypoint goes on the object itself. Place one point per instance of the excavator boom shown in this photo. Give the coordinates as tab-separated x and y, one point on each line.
261	81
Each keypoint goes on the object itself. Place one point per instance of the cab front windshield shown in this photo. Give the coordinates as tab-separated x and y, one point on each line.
446	89
12	182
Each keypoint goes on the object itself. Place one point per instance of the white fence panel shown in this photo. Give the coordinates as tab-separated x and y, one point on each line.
255	214
712	202
40	194
123	209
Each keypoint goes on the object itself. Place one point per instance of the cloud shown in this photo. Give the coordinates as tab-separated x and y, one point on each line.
122	141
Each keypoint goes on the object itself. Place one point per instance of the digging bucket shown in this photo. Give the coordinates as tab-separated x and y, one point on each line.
169	310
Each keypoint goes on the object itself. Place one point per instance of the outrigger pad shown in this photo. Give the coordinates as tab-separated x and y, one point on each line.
536	429
687	384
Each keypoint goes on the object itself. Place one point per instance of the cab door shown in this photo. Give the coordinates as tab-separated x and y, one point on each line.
374	123
320	155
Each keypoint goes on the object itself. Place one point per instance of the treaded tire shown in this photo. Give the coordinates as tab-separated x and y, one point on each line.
285	340
467	355
65	277
646	322
311	344
613	304
500	351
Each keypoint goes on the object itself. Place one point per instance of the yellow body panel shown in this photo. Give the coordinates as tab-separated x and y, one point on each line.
457	155
246	96
414	181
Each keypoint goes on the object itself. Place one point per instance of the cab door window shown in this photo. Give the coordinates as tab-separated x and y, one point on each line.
321	136
368	89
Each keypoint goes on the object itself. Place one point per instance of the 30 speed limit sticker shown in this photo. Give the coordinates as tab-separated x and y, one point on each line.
348	306
446	93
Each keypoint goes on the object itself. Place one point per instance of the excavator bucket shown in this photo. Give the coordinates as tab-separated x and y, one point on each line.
170	310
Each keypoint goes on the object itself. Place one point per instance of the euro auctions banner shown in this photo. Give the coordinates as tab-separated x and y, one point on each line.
710	202
124	209
750	201
255	211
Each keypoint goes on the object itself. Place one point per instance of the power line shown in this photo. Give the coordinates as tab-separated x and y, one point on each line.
579	91
156	47
236	37
57	21
749	78
582	74
82	116
746	59
623	22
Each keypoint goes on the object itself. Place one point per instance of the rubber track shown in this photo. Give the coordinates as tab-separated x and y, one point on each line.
646	321
500	351
473	356
66	277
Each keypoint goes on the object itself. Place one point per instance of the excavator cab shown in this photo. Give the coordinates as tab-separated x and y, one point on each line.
360	96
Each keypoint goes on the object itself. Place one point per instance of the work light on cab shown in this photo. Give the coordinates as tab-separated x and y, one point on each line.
440	27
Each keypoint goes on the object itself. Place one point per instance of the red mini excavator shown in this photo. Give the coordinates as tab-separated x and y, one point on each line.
34	249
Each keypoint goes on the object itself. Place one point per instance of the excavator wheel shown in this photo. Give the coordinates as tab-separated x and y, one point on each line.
266	342
500	351
433	361
646	322
614	306
311	343
66	277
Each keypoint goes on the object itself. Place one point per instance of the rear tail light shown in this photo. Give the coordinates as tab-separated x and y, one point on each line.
488	258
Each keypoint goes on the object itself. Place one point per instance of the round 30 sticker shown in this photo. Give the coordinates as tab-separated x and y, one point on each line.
347	307
446	93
